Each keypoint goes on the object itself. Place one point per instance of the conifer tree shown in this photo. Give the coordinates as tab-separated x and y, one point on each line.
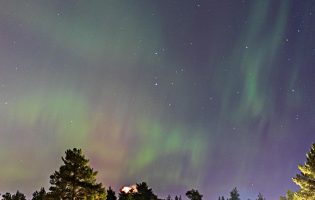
41	195
306	179
126	196
7	196
234	194
144	192
260	197
193	195
111	194
75	179
17	196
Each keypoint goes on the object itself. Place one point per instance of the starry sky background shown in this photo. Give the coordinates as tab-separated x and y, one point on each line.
181	94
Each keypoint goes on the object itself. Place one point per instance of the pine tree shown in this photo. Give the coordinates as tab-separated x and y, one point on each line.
7	196
41	195
306	180
260	197
126	196
193	195
17	196
75	179
234	194
144	192
111	194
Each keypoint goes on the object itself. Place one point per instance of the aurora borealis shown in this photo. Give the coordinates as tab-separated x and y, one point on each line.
181	94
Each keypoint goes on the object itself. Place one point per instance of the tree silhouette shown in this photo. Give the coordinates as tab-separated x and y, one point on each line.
125	196
17	196
221	198
168	197
260	197
7	196
75	179
41	195
306	179
144	192
234	194
110	194
141	192
193	195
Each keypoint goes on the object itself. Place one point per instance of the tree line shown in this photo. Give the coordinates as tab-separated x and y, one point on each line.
76	180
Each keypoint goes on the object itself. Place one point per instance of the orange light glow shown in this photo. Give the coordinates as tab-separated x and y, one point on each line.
129	189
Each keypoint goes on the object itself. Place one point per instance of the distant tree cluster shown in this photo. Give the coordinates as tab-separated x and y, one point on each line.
76	180
17	196
234	195
143	192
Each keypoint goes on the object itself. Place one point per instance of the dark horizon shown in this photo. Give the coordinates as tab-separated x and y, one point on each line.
74	160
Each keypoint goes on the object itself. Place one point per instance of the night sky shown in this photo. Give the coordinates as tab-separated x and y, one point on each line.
178	93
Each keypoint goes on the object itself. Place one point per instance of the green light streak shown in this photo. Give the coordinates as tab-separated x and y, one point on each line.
157	143
252	61
65	113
